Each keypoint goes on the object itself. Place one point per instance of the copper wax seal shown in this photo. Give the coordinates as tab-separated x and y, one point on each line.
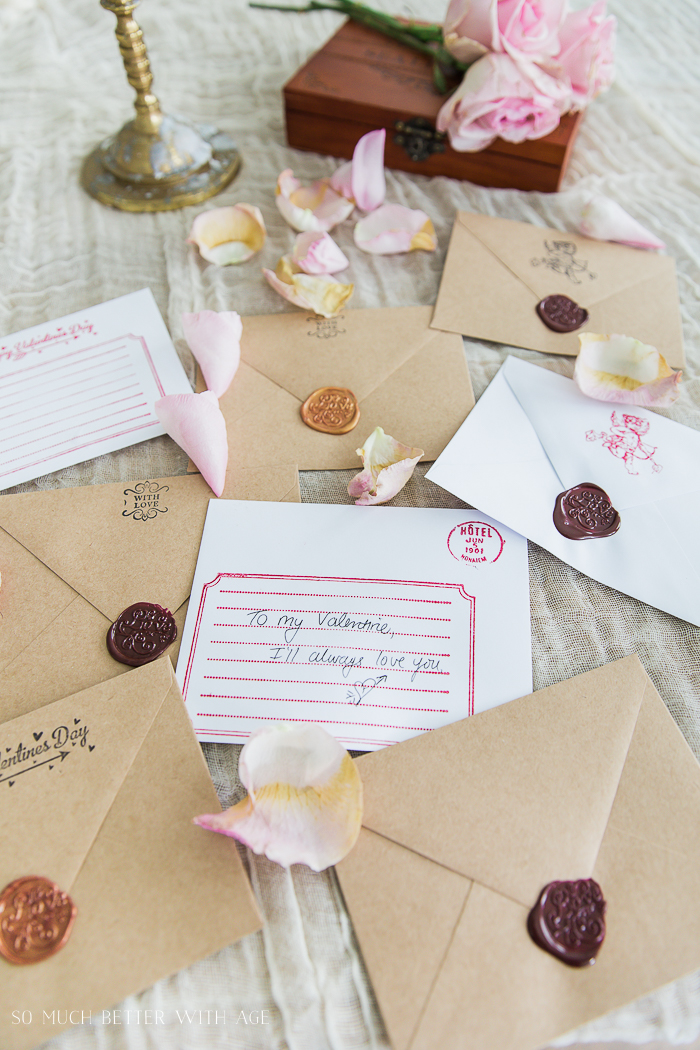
561	314
36	918
332	410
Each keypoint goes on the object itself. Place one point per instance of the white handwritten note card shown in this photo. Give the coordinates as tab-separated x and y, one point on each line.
84	385
377	623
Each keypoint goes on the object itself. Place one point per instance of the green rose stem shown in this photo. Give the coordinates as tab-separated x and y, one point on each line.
427	39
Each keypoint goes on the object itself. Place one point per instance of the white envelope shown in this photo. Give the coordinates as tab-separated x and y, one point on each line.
534	434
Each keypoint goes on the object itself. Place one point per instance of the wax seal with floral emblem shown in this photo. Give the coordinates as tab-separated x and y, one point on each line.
585	512
561	314
141	633
568	921
332	410
36	918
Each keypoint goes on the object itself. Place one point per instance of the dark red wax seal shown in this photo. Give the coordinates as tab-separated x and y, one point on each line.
585	513
561	314
568	921
141	633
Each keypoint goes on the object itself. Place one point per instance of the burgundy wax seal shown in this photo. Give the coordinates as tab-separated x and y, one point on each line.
561	314
141	633
585	513
568	921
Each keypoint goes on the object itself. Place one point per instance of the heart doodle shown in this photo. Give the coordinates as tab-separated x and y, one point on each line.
50	767
91	747
76	721
11	783
38	736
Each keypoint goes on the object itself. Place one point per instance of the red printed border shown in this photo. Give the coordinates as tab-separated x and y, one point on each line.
319	579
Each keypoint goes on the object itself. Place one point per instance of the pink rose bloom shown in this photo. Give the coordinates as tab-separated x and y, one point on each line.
499	97
587	48
522	28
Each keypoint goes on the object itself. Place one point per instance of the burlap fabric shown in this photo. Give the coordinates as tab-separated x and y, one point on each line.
63	89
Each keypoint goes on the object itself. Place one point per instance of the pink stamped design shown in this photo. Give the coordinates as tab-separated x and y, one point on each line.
475	542
625	441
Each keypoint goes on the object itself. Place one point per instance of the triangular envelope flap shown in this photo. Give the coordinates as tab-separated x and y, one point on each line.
116	544
658	798
635	455
518	795
404	910
551	262
62	766
359	349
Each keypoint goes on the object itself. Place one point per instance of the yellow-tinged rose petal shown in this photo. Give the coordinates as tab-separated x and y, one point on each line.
314	207
622	369
426	239
387	467
320	293
304	803
228	235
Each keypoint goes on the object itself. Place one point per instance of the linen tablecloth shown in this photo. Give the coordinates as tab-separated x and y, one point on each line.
62	89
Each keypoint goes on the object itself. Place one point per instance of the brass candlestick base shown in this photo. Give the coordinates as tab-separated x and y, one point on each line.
156	162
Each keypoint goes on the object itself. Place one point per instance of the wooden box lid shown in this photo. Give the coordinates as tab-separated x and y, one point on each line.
361	80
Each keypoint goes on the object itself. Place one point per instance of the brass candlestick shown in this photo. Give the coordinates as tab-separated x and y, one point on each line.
156	162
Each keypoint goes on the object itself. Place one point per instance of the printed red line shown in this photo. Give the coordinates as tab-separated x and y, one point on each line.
319	663
274	627
38	383
341	703
100	381
89	434
69	397
77	415
78	448
301	681
356	648
402	616
368	597
65	362
324	721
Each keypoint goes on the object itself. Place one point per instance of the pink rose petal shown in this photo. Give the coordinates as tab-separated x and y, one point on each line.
604	219
316	252
393	228
215	341
304	803
368	182
196	424
388	464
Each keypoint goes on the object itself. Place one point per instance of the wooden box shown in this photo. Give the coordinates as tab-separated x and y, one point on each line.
361	80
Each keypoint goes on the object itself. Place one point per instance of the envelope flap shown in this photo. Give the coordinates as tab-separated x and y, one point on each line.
62	766
636	455
550	262
116	544
658	798
518	795
358	349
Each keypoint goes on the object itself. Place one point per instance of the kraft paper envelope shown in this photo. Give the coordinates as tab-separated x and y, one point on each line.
497	271
73	559
538	435
464	826
407	378
110	821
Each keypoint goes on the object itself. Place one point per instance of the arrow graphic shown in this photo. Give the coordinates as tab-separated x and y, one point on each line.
18	772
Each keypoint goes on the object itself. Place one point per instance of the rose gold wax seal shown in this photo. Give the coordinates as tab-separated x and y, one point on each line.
36	918
332	410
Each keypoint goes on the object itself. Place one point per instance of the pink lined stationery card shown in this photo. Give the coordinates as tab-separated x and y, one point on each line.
377	624
83	385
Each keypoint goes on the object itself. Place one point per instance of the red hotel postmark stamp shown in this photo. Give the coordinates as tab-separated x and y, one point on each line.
475	542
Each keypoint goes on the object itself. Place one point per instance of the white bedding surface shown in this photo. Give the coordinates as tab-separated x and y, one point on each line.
62	89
